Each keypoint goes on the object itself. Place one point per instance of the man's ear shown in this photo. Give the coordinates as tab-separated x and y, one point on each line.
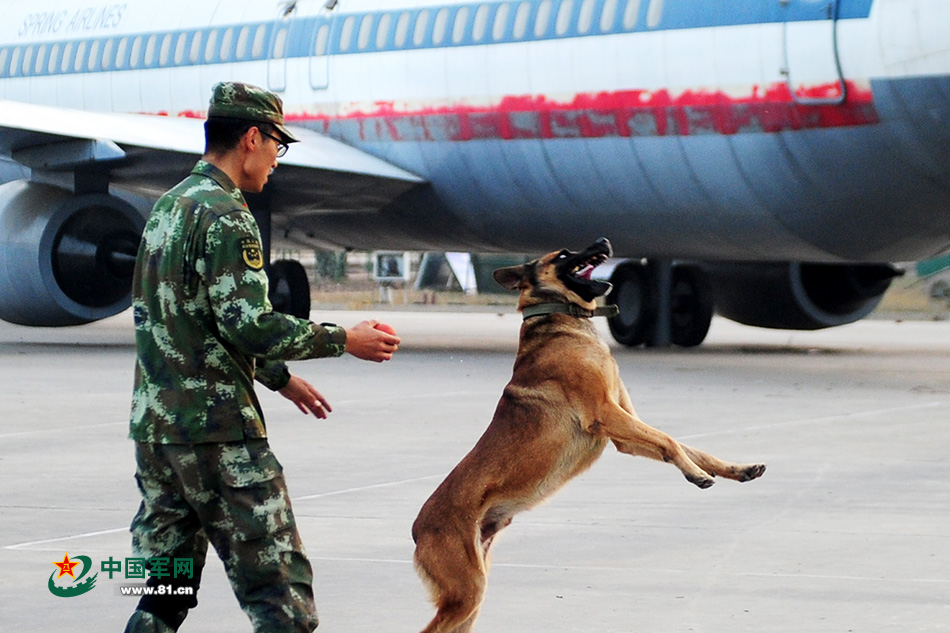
509	277
252	136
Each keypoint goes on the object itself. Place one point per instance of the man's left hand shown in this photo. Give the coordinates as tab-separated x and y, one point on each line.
306	397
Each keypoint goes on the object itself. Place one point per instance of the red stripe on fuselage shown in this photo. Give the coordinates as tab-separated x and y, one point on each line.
628	113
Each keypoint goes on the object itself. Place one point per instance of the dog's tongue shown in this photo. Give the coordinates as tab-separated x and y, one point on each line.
586	273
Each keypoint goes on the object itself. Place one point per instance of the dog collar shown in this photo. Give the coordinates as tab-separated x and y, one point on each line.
542	309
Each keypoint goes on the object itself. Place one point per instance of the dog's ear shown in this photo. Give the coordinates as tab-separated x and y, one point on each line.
509	277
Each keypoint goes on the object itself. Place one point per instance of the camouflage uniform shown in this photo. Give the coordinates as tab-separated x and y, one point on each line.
204	332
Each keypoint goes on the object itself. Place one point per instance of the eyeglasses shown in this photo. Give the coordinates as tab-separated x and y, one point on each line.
282	147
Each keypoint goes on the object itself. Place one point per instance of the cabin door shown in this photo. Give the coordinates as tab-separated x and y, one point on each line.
810	40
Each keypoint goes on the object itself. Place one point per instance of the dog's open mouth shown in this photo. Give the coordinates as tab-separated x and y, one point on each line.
586	269
576	270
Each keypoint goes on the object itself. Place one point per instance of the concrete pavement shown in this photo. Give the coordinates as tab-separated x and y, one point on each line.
847	531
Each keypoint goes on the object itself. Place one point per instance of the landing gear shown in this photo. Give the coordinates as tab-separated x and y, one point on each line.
289	288
691	305
660	303
634	294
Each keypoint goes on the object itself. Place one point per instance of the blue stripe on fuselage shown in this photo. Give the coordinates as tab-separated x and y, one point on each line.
31	59
690	14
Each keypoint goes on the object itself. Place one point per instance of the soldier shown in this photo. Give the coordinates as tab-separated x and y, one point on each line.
205	331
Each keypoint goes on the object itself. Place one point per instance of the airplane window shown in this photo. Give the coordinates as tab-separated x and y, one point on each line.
586	16
50	67
501	21
241	50
440	26
3	59
93	60
107	54
180	46
402	29
346	33
67	54
366	29
120	51
164	53
80	56
654	13
226	40
481	22
323	36
564	17
27	60
521	19
195	51
541	20
136	51
150	50
15	61
631	14
259	36
211	45
419	34
607	15
461	21
382	30
280	43
40	60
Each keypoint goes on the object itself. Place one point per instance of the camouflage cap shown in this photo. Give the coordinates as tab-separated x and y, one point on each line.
244	101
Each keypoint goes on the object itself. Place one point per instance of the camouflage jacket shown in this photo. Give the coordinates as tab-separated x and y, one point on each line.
204	328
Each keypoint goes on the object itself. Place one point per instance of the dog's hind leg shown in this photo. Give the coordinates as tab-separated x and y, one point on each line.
720	468
458	592
468	625
455	572
457	607
453	617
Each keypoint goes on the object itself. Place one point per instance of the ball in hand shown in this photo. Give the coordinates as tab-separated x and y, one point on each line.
385	327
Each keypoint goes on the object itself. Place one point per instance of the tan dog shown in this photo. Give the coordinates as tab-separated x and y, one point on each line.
564	402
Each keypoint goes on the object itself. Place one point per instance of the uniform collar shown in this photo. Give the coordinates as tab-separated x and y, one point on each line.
204	168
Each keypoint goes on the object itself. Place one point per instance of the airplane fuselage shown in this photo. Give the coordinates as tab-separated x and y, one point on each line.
793	148
742	129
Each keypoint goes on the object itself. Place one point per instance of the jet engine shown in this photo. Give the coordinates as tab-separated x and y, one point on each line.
65	258
798	296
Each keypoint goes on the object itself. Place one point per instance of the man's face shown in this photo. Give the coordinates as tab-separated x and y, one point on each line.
261	159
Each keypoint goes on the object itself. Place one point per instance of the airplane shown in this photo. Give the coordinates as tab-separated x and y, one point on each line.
767	159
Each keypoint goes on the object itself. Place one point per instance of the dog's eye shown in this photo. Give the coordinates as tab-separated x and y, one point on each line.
562	255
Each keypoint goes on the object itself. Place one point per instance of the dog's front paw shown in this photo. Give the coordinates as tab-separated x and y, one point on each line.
702	482
752	471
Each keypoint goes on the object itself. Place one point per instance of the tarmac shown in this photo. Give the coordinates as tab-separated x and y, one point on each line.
846	531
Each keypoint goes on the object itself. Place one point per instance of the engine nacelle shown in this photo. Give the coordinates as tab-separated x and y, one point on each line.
65	258
798	296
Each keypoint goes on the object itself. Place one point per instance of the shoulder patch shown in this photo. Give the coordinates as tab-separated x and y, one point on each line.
251	252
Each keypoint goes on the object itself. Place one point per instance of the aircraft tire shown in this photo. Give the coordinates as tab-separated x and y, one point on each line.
290	288
633	294
691	309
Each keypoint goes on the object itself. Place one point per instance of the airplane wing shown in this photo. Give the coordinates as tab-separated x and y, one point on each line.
66	250
147	154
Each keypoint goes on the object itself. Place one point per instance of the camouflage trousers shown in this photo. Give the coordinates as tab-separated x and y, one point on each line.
232	494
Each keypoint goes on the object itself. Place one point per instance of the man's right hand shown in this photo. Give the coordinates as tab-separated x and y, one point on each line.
364	341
